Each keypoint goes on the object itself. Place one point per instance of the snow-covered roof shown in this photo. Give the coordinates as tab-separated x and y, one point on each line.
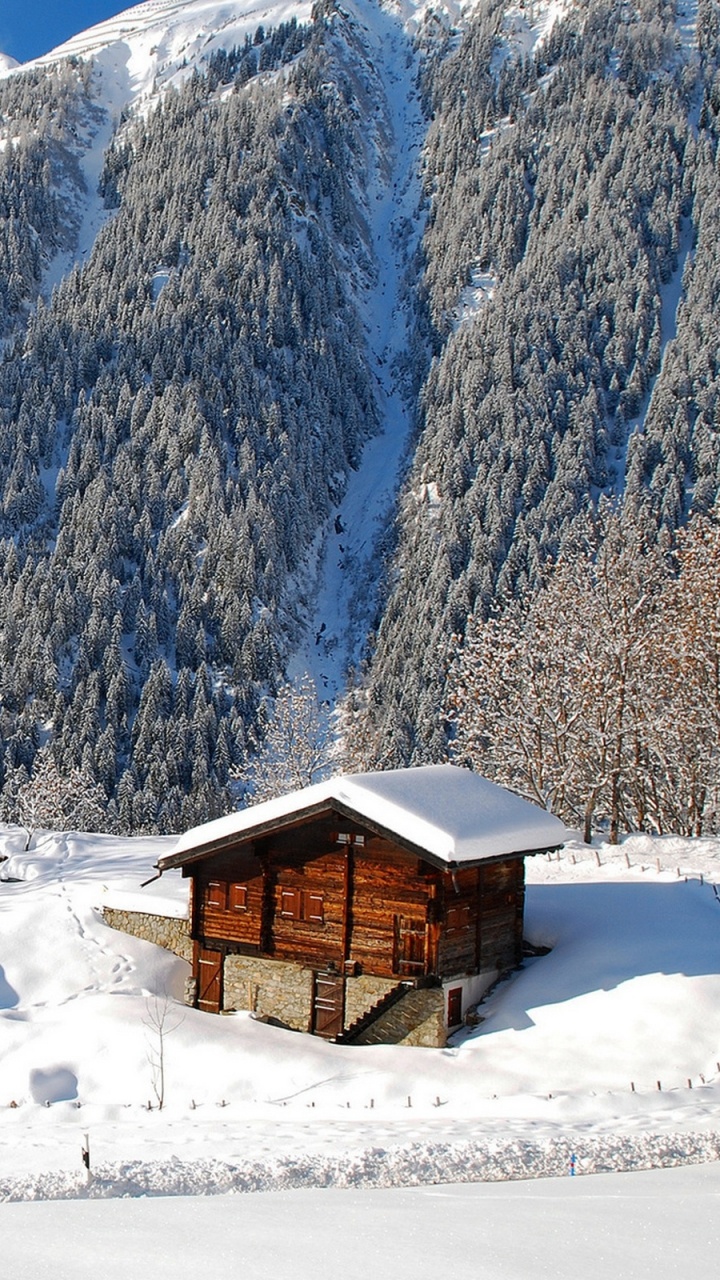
450	814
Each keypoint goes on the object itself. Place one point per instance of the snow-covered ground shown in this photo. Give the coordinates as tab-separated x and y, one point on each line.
644	1226
152	43
606	1047
601	1056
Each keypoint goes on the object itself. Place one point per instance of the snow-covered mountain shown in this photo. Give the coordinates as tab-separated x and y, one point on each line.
323	329
160	42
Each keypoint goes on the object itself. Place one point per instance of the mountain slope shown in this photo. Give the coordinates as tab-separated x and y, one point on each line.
260	268
152	43
570	187
192	399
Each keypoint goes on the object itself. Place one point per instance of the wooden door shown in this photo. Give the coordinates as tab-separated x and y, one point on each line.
328	1005
409	946
209	971
454	1007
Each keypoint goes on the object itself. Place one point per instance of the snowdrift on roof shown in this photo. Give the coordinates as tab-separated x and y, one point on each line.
454	815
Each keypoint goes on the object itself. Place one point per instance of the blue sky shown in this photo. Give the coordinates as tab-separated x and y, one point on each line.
31	27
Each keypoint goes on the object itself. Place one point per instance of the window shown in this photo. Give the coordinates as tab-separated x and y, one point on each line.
302	904
226	897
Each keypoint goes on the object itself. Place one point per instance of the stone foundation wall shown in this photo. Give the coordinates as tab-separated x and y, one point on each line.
431	1032
362	993
164	931
418	1020
271	989
282	990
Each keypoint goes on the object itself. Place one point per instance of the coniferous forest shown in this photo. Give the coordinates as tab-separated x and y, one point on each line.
181	413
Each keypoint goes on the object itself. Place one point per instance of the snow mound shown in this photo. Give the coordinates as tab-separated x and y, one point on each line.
415	1165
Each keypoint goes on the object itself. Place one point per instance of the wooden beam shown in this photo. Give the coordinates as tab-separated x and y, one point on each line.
347	905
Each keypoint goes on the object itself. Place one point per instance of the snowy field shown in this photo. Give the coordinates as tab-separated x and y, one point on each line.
642	1226
600	1057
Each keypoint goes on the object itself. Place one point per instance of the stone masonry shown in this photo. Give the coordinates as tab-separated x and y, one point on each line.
164	931
271	989
284	991
418	1019
362	993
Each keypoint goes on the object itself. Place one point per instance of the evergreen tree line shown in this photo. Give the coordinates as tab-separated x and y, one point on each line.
177	425
178	421
583	196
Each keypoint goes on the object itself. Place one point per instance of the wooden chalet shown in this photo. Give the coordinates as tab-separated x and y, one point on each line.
323	909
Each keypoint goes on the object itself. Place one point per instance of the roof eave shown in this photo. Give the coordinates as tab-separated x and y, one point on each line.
200	852
332	805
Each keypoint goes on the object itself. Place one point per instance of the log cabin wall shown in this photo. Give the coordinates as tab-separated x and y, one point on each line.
482	918
326	901
308	889
302	895
227	899
459	938
502	901
394	926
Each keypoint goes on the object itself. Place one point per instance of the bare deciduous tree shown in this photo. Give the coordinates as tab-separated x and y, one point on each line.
556	698
161	1019
54	800
294	751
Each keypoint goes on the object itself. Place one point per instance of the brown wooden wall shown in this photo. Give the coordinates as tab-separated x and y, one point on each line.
392	926
301	895
502	897
482	918
458	947
218	909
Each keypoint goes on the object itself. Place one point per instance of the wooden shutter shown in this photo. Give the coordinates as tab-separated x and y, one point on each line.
216	895
458	918
238	897
290	904
314	908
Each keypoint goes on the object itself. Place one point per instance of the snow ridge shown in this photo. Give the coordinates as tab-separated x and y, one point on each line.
414	1165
